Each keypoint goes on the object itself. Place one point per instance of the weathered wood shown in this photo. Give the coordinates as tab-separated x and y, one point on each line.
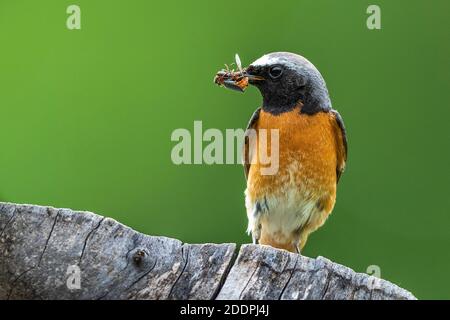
261	272
38	245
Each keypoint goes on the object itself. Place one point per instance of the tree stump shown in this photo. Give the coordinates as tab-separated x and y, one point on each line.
48	253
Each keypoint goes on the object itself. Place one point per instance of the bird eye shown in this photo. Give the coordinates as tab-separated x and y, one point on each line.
275	72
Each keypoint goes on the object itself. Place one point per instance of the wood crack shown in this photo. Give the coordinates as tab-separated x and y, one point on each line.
39	261
327	285
226	273
17	279
186	261
48	238
290	277
141	277
249	279
87	239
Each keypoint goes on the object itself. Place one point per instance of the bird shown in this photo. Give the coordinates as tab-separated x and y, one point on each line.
284	208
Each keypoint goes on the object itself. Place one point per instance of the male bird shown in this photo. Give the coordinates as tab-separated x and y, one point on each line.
284	208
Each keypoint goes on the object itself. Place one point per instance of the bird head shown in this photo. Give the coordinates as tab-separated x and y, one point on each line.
285	80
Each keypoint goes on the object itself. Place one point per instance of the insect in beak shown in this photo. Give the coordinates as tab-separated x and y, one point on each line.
238	62
235	80
240	85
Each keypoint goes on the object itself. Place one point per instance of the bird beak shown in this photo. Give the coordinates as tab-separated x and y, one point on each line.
252	77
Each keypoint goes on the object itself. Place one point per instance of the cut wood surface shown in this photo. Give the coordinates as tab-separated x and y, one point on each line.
42	249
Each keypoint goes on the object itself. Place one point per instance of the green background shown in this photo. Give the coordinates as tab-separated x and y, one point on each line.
86	119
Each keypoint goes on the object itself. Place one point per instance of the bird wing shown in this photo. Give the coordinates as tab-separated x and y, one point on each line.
245	154
341	143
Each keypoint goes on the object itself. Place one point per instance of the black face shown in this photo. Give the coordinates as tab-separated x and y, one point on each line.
286	84
282	89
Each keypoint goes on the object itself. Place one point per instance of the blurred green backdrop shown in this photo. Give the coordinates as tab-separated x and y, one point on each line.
87	115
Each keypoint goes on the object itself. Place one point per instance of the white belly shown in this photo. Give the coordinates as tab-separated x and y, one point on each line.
281	215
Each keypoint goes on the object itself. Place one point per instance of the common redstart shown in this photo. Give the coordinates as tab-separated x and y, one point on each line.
285	207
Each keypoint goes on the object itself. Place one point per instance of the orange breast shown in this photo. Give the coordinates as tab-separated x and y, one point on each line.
304	140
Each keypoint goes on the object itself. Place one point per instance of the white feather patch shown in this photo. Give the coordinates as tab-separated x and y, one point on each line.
265	60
